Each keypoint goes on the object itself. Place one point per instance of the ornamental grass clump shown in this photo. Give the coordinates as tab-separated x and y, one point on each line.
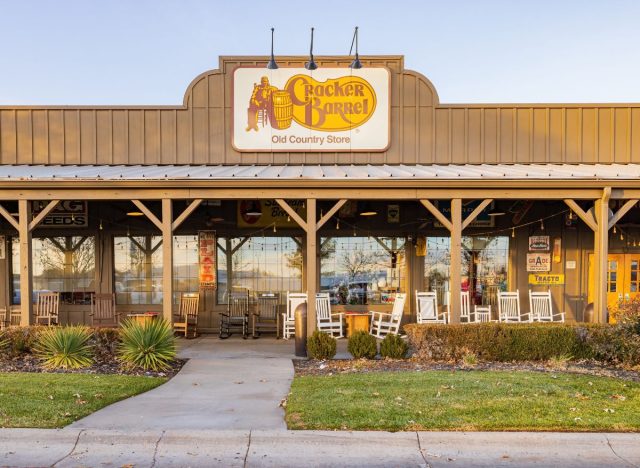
393	347
362	345
150	346
64	347
321	346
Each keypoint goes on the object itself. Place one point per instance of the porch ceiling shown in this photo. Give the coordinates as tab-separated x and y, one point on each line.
485	172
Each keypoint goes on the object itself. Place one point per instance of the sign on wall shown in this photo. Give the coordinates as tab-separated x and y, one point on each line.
546	280
207	250
265	213
539	243
67	213
538	262
293	109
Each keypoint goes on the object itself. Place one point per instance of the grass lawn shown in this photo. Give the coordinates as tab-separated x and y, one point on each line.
463	401
55	400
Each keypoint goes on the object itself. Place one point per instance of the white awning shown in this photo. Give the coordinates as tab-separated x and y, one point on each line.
322	172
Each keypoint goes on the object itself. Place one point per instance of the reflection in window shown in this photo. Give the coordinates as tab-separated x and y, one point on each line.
62	264
259	264
484	267
138	268
362	270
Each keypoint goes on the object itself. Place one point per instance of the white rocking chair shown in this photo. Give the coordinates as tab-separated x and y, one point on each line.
541	307
427	308
326	321
383	323
465	309
509	307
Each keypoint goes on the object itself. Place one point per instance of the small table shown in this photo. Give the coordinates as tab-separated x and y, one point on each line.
357	321
143	318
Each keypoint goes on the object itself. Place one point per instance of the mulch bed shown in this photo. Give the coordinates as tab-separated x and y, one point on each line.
29	363
350	366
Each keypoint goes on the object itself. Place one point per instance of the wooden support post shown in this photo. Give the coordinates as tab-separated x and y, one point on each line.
311	266
455	272
26	279
167	260
600	255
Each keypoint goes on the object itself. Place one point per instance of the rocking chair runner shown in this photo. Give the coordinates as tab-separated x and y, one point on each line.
237	315
187	321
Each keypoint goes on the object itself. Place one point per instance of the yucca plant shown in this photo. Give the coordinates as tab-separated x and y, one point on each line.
150	346
64	347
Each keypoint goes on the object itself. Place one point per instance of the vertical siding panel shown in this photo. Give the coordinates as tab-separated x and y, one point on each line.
8	137
490	141
588	136
572	136
104	137
474	139
216	135
71	136
635	135
120	140
184	137
409	135
24	136
151	137
393	154
523	139
425	127
55	124
458	136
136	136
506	135
442	136
88	137
621	129
168	136
555	134
40	134
539	137
605	136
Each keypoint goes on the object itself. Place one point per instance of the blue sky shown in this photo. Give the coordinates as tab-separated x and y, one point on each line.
147	52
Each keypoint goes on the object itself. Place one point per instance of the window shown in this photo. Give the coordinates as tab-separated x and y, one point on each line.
138	268
484	267
62	264
362	270
259	264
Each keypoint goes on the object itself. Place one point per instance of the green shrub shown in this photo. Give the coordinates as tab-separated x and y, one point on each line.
362	345
21	339
499	341
321	345
4	341
394	347
150	346
64	347
615	344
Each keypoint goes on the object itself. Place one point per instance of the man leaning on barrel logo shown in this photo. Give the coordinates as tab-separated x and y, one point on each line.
259	104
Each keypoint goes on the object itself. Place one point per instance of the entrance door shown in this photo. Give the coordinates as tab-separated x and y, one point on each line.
623	278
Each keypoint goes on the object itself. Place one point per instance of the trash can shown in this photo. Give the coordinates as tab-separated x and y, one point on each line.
300	317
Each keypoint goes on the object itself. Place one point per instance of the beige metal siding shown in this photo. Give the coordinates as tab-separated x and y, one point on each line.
422	131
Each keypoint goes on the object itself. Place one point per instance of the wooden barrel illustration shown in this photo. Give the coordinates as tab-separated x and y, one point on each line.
281	109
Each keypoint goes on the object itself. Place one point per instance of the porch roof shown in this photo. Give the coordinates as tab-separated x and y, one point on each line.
439	172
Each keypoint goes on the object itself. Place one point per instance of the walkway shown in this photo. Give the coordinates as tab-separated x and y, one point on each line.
226	384
73	447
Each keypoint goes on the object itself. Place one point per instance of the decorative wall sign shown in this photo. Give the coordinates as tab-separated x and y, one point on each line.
538	262
421	247
557	250
546	280
67	213
539	243
329	109
264	213
393	213
207	250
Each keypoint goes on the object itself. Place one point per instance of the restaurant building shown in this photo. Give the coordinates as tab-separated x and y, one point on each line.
358	182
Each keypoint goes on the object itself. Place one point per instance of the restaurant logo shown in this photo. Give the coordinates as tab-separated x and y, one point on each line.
330	110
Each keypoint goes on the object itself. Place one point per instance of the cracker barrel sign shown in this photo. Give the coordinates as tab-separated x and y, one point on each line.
292	109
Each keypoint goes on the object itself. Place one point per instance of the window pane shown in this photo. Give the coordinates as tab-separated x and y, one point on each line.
185	265
359	270
138	269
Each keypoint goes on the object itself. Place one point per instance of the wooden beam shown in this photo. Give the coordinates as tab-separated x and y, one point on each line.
474	214
298	241
330	213
601	254
621	212
6	215
586	217
147	212
47	209
291	212
185	214
240	244
383	245
26	270
311	258
438	215
455	273
167	259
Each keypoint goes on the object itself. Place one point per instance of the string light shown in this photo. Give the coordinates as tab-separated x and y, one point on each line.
100	227
614	229
621	236
338	224
513	232
274	227
354	232
542	224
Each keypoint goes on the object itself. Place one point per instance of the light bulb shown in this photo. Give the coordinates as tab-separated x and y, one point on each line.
542	225
338	225
614	230
100	225
513	232
274	227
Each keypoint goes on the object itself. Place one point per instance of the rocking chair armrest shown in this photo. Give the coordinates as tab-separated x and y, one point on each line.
374	313
339	314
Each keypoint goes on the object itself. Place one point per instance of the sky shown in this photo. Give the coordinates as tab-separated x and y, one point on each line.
143	52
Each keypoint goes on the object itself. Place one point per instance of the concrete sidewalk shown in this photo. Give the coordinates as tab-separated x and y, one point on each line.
77	447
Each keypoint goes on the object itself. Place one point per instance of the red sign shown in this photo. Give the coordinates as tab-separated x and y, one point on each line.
207	249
